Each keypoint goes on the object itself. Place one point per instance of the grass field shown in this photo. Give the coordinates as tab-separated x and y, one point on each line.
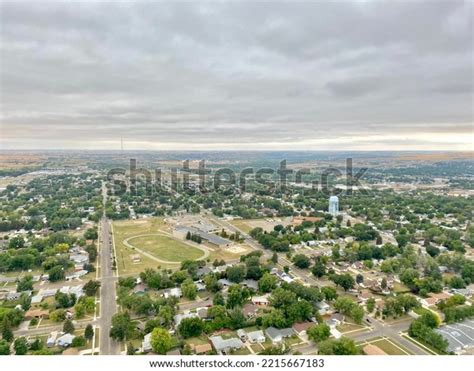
351	327
166	248
267	224
162	247
242	224
389	346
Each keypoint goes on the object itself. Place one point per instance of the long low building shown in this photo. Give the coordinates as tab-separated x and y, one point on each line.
181	232
460	336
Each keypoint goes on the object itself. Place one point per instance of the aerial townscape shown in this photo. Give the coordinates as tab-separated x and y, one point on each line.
236	185
270	268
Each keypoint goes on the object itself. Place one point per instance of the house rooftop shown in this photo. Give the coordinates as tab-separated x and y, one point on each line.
302	326
221	344
275	333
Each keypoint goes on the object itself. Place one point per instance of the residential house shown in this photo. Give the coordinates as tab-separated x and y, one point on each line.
224	282
261	300
173	292
434	299
200	286
301	327
202	348
277	335
51	339
256	336
242	335
36	313
179	317
202	313
36	299
250	284
323	307
65	340
224	346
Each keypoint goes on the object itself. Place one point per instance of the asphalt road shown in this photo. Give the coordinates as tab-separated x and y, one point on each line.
392	331
108	301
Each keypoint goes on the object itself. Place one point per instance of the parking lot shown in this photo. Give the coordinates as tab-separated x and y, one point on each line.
459	335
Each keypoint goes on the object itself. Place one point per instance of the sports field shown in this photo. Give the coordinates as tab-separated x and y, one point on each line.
142	244
165	248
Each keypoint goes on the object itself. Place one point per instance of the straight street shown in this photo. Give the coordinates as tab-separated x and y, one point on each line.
108	304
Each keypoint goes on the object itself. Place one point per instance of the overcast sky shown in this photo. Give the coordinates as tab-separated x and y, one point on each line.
237	75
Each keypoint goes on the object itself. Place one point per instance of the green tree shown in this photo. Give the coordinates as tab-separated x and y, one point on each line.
130	349
122	327
218	299
190	327
357	314
370	305
274	258
21	346
274	318
341	346
344	280
91	287
282	298
189	289
165	313
7	333
236	273
37	344
301	261
68	326
89	332
25	284
236	296
329	293
319	268
319	332
56	273
267	283
78	341
57	315
161	340
4	348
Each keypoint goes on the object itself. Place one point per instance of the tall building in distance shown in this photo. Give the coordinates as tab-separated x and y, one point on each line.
333	205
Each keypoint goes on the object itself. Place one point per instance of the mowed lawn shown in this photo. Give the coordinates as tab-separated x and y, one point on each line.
166	248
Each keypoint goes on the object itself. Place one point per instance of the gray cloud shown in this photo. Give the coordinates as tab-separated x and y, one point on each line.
306	75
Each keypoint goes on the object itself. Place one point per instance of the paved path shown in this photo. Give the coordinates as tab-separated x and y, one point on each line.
153	257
